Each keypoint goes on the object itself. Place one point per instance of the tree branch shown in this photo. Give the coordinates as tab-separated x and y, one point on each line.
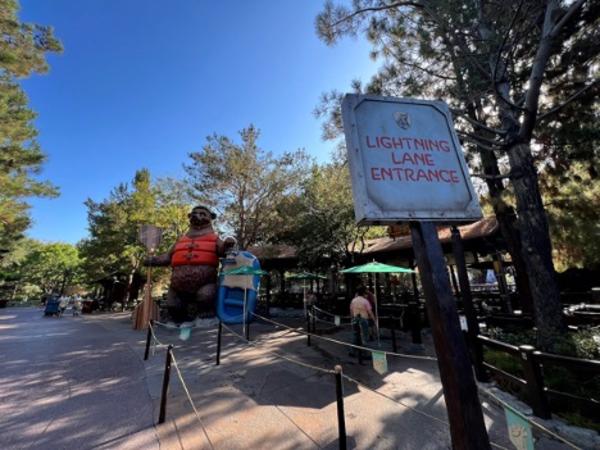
376	9
479	145
430	72
536	76
573	97
480	139
492	177
478	124
566	16
501	49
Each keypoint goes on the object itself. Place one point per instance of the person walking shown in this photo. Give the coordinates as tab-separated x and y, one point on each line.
372	322
361	312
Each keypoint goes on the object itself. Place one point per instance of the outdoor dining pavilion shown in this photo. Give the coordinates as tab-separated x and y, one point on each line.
481	241
399	295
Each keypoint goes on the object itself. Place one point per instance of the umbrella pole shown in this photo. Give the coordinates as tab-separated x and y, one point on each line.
304	296
376	308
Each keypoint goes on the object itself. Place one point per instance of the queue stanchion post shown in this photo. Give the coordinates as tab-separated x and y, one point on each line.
165	386
219	335
339	393
308	330
148	340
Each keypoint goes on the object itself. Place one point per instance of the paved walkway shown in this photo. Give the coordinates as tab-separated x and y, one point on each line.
68	384
255	400
80	383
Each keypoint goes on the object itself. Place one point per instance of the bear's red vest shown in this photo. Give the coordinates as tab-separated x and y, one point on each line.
201	250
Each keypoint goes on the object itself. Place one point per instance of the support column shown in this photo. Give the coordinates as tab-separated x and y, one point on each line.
467	300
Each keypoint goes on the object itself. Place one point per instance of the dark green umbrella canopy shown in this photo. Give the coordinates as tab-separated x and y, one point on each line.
306	276
376	267
245	270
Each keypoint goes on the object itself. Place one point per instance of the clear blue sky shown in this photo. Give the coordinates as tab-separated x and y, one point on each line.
141	83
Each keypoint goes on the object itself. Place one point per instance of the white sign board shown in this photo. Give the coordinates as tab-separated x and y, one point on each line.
406	162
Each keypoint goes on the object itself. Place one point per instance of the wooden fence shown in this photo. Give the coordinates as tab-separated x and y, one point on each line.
542	399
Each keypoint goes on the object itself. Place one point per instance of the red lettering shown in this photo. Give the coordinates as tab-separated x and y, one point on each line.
409	174
442	172
428	159
433	144
386	172
421	174
369	143
454	176
385	142
433	174
445	146
419	156
374	174
397	143
408	158
418	143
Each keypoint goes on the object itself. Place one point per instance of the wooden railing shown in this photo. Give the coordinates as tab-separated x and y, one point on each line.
543	400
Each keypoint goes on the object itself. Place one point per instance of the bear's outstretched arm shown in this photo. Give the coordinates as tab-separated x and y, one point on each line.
223	246
159	260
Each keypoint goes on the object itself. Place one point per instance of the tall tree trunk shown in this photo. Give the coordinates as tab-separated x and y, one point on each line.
537	248
508	229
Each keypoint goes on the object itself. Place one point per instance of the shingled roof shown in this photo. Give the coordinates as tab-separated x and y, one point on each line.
485	227
273	251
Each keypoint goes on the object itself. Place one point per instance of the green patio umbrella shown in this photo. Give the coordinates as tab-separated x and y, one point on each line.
376	267
245	270
305	276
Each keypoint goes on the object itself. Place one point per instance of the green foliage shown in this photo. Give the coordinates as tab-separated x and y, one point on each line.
573	205
245	184
323	217
510	71
113	246
23	49
580	344
23	45
323	228
37	268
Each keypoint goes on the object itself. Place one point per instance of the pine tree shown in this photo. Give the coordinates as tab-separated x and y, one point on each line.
491	61
23	49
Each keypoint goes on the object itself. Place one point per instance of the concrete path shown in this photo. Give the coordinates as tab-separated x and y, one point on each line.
80	383
68	384
255	400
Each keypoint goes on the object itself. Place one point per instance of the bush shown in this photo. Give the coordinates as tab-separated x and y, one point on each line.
584	343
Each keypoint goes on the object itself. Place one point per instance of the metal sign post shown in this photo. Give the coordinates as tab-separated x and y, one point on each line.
407	165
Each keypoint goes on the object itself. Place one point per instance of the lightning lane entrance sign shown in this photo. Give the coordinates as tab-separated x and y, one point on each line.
406	165
406	162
